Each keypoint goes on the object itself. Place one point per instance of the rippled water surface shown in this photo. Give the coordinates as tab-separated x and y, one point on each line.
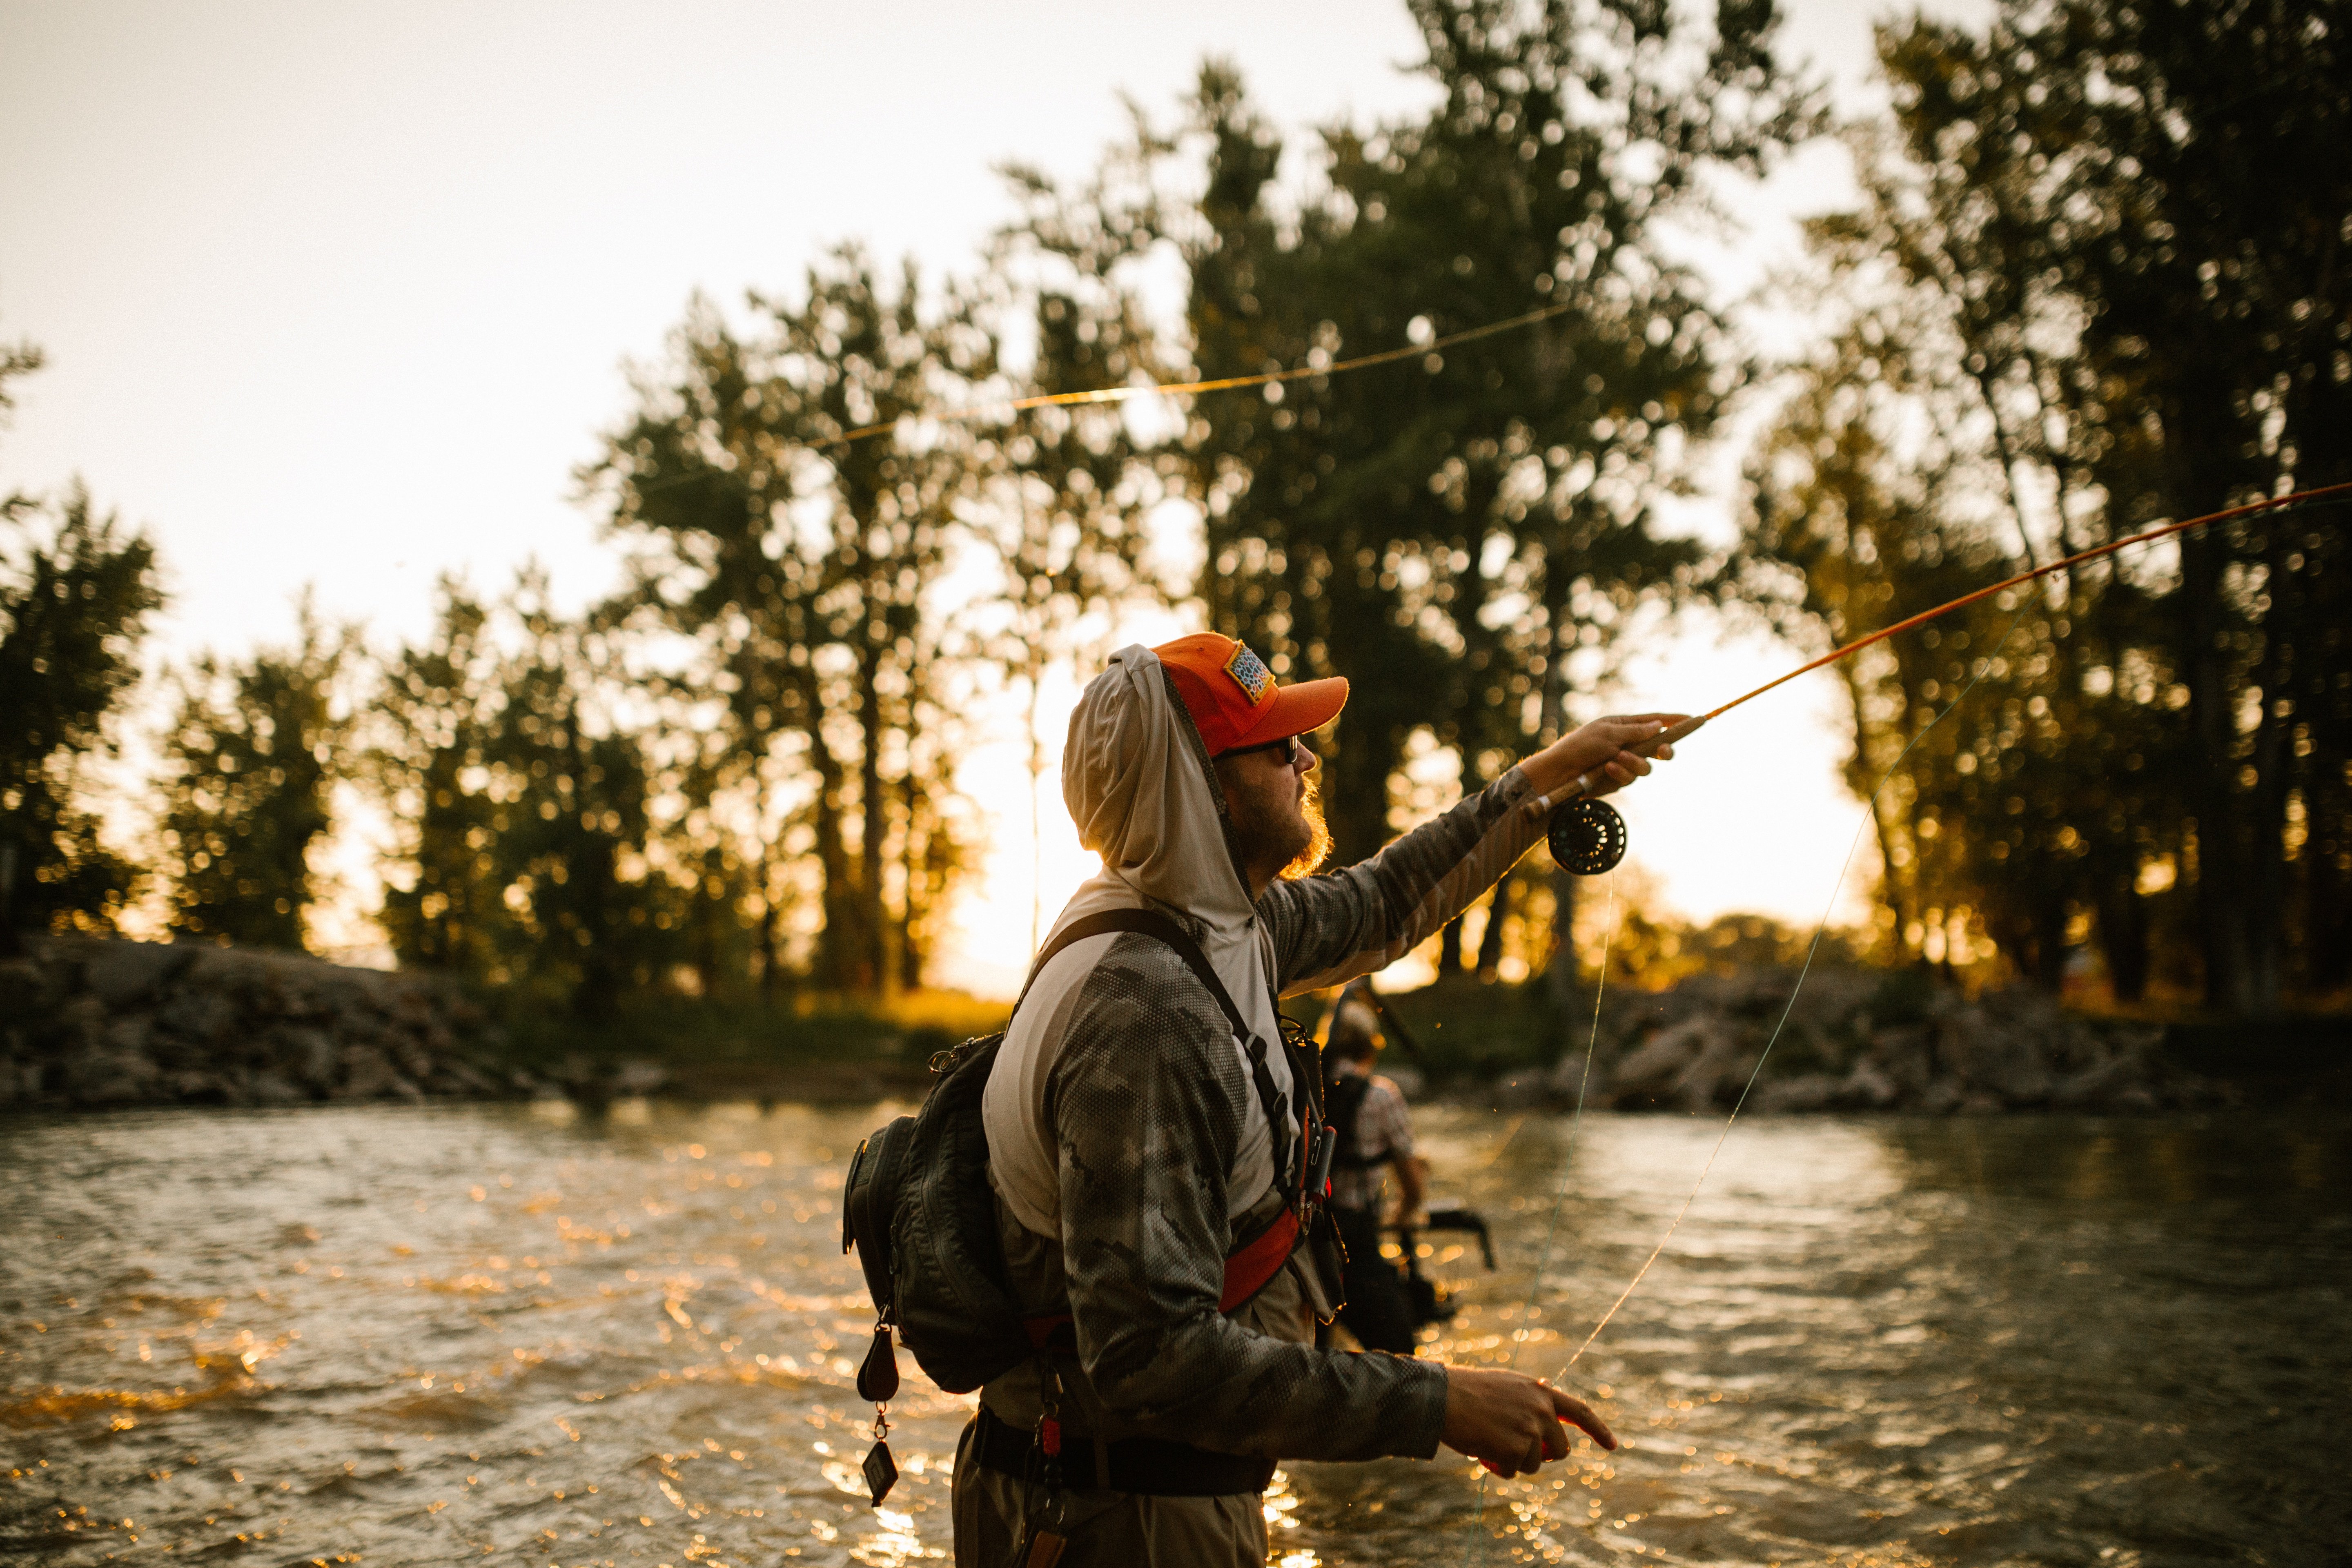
442	1334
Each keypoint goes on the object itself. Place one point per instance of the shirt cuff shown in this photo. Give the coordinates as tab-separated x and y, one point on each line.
1424	1413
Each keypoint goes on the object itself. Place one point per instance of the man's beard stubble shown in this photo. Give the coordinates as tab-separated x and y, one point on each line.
1298	843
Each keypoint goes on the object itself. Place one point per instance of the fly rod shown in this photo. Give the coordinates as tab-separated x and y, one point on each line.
1587	835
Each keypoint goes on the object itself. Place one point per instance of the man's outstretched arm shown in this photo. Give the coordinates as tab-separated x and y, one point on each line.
1332	928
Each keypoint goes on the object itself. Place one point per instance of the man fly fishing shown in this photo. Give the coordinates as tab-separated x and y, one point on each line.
1373	1132
1155	1148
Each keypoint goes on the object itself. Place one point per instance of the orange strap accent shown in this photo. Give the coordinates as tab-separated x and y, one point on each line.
1247	1271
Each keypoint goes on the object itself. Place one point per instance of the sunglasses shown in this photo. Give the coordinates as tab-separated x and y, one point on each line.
1289	746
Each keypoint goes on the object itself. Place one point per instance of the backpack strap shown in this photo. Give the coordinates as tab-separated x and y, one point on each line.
1153	923
1252	1264
1148	922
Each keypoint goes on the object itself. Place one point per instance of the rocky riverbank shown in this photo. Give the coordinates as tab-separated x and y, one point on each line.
88	1023
1863	1040
91	1022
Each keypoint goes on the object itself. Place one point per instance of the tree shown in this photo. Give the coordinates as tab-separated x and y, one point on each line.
253	757
76	591
526	853
1480	523
1063	495
805	569
1880	494
2125	240
437	709
569	792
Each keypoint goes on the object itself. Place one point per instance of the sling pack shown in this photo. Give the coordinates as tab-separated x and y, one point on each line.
918	1209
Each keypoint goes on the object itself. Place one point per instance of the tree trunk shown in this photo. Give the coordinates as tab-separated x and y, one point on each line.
1490	945
2123	932
2328	889
1560	971
2199	482
770	958
869	968
836	943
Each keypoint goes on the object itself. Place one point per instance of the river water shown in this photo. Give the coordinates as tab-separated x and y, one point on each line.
531	1335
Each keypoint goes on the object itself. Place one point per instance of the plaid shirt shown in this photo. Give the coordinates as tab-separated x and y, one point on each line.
1383	1132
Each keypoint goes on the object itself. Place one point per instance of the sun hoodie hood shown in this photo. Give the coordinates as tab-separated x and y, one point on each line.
1140	789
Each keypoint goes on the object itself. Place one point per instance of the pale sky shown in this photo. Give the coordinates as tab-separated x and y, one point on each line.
339	295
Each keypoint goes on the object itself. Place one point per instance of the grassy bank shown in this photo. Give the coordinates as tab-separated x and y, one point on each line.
812	1048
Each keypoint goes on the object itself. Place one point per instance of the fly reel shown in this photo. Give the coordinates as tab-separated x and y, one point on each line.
1587	837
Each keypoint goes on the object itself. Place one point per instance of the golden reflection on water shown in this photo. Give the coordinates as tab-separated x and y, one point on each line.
526	1332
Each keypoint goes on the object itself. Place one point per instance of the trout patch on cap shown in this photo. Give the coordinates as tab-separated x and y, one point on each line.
1251	675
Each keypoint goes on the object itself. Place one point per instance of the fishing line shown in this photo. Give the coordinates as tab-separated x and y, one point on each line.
1567	1158
1984	667
1575	1124
1110	395
2331	495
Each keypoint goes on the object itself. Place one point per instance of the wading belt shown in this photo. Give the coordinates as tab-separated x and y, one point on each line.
1148	1466
1258	1256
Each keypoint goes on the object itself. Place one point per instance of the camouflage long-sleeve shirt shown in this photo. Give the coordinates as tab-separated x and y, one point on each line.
1128	1081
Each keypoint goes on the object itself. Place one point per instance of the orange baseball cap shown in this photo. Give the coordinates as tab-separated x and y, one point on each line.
1233	697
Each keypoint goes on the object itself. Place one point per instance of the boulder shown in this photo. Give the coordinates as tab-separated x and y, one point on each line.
1992	1055
645	1077
198	1087
1905	1057
462	1078
368	1073
25	989
2100	1085
1717	1073
1867	1088
1650	1069
269	1088
308	1055
1794	1096
98	1021
111	1078
1941	1098
201	1018
1517	1090
130	1036
1567	1080
123	973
